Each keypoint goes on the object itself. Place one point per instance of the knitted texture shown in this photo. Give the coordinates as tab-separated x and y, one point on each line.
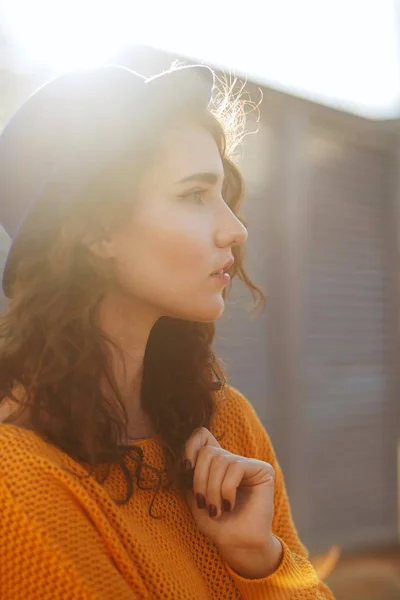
63	536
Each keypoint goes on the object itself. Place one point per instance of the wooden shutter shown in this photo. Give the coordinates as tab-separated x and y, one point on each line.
352	415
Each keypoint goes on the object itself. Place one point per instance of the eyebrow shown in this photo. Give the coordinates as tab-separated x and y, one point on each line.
210	178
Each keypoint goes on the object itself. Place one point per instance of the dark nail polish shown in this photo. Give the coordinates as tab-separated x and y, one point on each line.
187	465
212	510
226	505
201	501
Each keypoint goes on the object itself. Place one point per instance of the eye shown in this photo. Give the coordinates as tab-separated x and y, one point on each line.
195	196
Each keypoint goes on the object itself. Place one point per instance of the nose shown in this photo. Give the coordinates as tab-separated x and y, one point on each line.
230	231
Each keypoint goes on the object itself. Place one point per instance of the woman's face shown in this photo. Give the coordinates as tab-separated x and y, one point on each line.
181	231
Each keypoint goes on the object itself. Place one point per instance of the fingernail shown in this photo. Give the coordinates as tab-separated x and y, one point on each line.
187	465
212	510
201	501
226	505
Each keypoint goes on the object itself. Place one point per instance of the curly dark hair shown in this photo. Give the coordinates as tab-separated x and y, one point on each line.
53	356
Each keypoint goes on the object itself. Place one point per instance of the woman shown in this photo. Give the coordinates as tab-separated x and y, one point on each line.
128	468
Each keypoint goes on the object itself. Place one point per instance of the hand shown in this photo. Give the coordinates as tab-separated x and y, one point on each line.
233	504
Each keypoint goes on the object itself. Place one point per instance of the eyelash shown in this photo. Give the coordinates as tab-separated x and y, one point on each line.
199	193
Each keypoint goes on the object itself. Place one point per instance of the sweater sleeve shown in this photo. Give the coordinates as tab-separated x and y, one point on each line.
295	578
34	566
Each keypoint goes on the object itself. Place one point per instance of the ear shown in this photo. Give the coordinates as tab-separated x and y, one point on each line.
103	246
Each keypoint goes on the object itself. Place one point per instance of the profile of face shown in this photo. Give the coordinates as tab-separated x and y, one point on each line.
180	232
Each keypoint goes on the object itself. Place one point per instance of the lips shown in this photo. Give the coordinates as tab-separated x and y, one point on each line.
224	268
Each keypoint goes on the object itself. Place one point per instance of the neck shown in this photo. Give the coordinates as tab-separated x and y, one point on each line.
128	323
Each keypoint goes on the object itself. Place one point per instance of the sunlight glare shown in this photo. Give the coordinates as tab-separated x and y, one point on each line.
64	36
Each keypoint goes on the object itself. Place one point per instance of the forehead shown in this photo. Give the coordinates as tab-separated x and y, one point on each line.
188	149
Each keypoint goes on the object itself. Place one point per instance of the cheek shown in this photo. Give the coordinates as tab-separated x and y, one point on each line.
183	251
165	248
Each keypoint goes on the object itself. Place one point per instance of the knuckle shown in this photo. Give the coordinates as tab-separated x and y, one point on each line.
196	437
202	433
219	460
205	452
236	465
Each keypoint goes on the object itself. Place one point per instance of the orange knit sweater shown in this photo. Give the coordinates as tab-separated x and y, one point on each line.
63	537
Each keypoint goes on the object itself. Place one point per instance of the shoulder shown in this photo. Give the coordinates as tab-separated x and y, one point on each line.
237	424
231	404
28	462
21	442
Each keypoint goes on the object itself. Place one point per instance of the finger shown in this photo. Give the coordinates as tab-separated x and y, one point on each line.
217	471
232	480
199	438
201	474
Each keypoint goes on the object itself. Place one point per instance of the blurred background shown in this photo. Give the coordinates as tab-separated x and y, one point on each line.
322	165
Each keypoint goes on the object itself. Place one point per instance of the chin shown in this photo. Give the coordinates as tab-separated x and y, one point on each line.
209	314
206	311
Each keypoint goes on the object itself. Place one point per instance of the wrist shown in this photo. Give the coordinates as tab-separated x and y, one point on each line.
257	563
